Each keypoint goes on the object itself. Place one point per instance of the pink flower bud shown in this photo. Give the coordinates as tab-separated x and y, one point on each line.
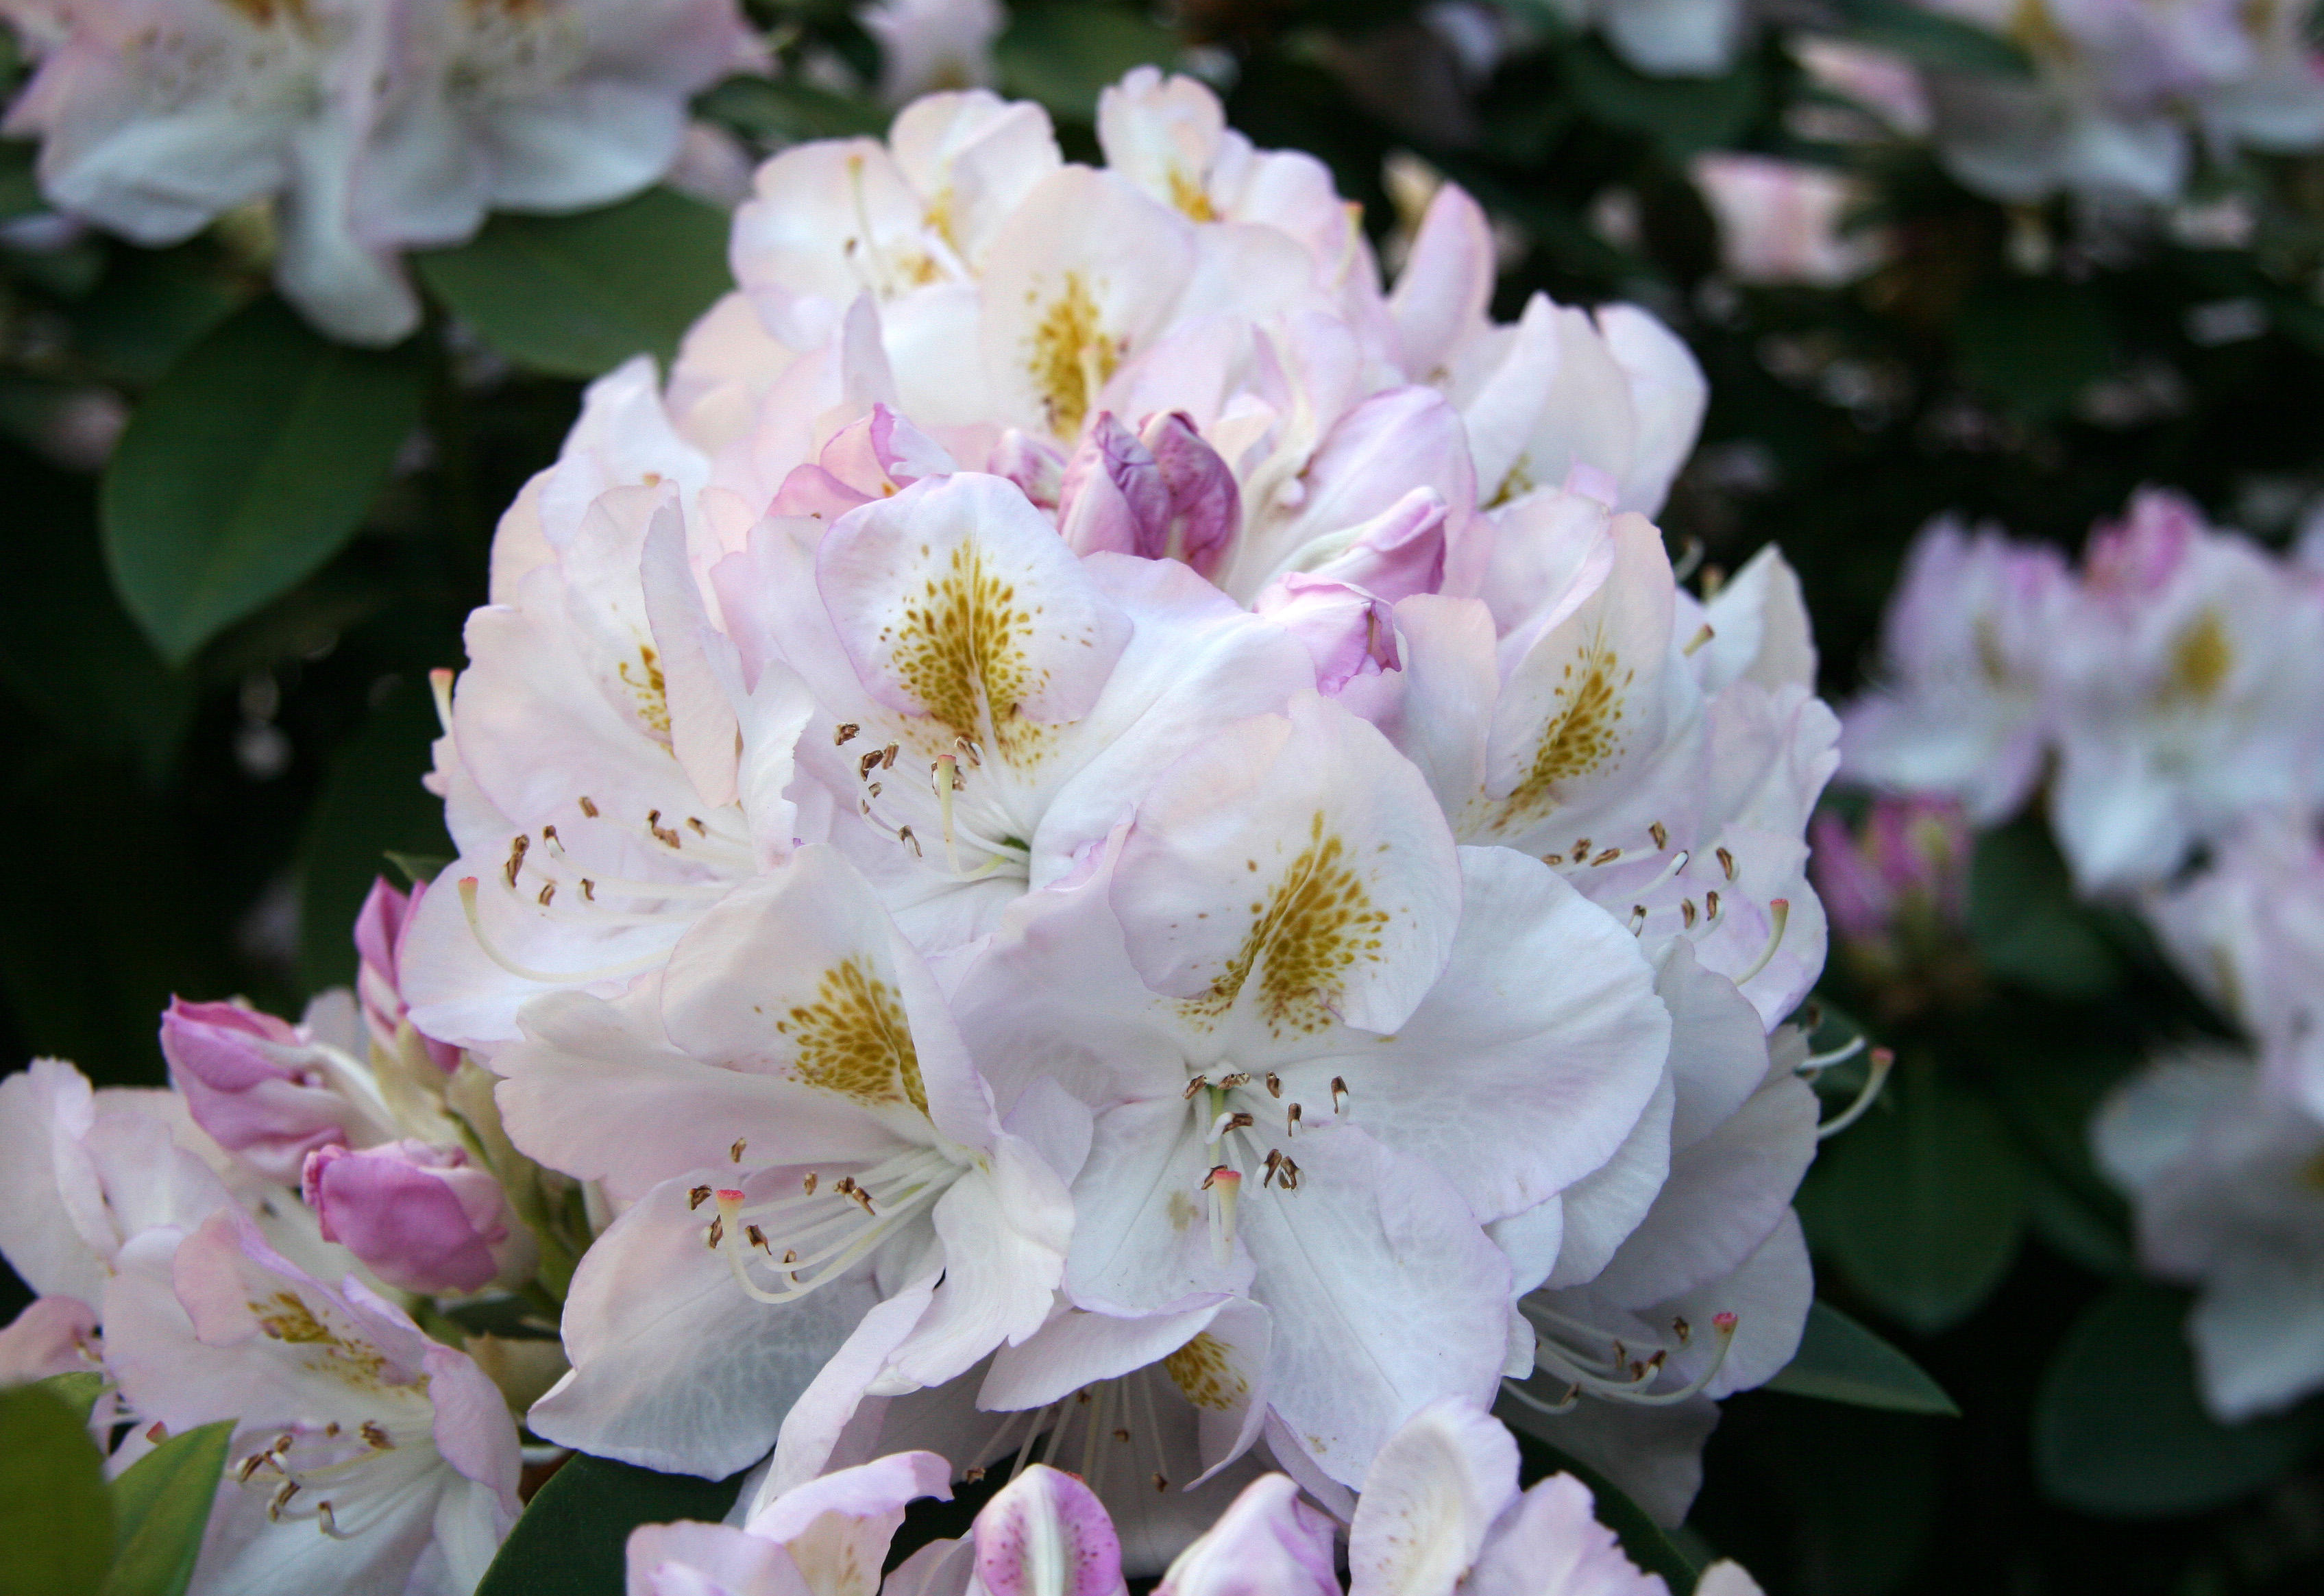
1045	1534
1350	631
380	928
421	1217
260	1088
1267	1543
1112	495
1205	503
1906	871
869	458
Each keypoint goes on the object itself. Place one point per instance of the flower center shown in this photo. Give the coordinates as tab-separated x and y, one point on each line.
782	1248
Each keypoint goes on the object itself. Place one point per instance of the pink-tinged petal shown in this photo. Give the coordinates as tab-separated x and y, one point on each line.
1268	1543
53	1336
1350	633
1005	1230
1398	552
701	676
1386	1295
1045	1534
1550	1544
1037	467
1111	495
1206	501
958	602
1668	394
687	1559
1432	1491
673	1368
783	976
1078	1349
1332	840
472	1430
1446	284
837	1528
421	1218
823	1422
1079	278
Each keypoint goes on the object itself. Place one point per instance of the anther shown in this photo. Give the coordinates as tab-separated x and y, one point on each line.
517	850
1194	1085
904	836
1274	1085
809	1182
1725	862
1273	1167
1581	849
587	808
664	835
1237	1079
1699	637
1240	1121
588	890
699	828
844	731
375	1437
867	764
888	756
758	1238
1710	902
1686	911
546	894
548	835
736	1152
281	1501
1339	1095
1660	833
1683	1330
1289	1178
697	1197
1608	857
1637	919
1291	1121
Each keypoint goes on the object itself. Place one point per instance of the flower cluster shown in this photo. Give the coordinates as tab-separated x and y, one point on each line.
2172	695
371	128
1092	833
1440	1512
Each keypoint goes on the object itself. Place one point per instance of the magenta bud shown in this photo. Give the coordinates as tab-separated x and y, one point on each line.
259	1088
1045	1523
379	929
1112	497
1205	503
420	1217
1036	468
1350	633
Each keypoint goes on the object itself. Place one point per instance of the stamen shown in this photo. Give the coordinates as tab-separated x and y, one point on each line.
1194	1085
697	1197
1779	910
1291	1119
1725	862
1698	640
1606	857
736	1152
1637	919
1225	1184
1883	1061
1816	1063
632	966
587	808
439	685
1339	1095
945	774
1660	833
1676	863
1274	1085
841	733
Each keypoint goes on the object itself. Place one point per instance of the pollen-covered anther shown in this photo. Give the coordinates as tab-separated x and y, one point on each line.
807	1185
1194	1085
1339	1095
1291	1119
666	836
1637	919
758	1239
866	764
1274	1085
1687	911
1683	1330
736	1152
843	732
1273	1167
1725	862
281	1501
1607	856
698	1196
518	848
1239	1078
547	894
587	808
1660	833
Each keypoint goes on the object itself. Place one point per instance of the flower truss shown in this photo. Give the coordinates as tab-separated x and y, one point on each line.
1090	840
371	128
2169	695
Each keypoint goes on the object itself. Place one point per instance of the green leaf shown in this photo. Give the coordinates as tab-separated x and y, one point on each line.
2034	343
2119	1428
20	192
1064	55
1839	1361
55	1521
2025	922
1928	39
371	807
1648	1544
790	113
79	1391
1921	1203
574	296
572	1538
1684	116
161	1505
249	465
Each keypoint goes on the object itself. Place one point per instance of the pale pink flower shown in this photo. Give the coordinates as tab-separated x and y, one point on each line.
420	1217
2223	1180
1252	1066
828	1537
926	45
792	1091
53	1335
367	1456
1961	702
1781	222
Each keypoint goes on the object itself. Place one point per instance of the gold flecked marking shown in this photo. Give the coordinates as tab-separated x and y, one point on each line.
1515	483
1070	357
961	651
651	692
1202	1371
285	1316
2201	659
1305	936
853	1040
1190	197
1582	733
